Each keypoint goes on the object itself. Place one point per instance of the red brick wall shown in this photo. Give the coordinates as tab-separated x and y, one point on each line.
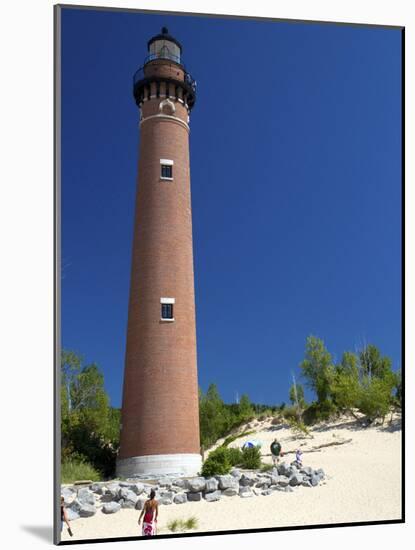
160	394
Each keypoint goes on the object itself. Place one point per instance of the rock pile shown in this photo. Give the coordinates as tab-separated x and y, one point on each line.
110	497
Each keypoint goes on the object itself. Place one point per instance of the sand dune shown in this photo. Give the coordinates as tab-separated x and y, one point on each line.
363	483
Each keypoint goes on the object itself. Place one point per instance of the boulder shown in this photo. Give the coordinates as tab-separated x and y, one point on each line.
137	488
212	497
67	492
283	469
113	490
68	495
196	484
180	498
314	480
72	515
165	500
320	473
266	492
296	479
85	496
307	470
87	510
181	483
245	492
263	484
306	483
274	479
194	497
227	482
235	473
106	497
230	492
211	485
292	471
247	481
111	507
283	481
75	506
128	497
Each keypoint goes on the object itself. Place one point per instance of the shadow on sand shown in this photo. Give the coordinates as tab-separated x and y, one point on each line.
43	532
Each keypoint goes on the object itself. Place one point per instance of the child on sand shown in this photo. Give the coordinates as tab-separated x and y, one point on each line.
298	457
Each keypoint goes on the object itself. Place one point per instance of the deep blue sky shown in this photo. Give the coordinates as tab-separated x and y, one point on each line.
296	191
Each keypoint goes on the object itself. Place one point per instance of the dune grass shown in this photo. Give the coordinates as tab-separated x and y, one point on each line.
183	524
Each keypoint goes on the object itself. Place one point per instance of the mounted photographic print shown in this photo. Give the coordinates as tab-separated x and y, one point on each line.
229	351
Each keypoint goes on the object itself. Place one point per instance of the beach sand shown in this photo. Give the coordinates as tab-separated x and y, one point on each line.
363	483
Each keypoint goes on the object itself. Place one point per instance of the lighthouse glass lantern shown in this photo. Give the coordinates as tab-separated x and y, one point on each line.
164	46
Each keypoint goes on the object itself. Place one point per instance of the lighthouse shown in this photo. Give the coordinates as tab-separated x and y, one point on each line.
160	410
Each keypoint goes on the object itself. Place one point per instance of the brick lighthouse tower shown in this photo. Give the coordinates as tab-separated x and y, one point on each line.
160	416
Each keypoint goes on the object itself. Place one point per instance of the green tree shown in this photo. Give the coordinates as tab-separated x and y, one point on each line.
317	368
345	386
246	409
213	416
373	364
90	428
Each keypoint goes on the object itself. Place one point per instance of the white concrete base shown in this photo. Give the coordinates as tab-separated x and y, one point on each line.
182	464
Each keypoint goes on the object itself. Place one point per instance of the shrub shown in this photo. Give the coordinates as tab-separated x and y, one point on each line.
235	456
217	463
319	412
77	469
276	421
251	458
290	413
266	467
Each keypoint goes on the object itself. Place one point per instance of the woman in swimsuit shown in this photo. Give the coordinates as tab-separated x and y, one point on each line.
150	512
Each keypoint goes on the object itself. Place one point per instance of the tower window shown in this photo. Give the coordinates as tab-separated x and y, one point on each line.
167	309
166	169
